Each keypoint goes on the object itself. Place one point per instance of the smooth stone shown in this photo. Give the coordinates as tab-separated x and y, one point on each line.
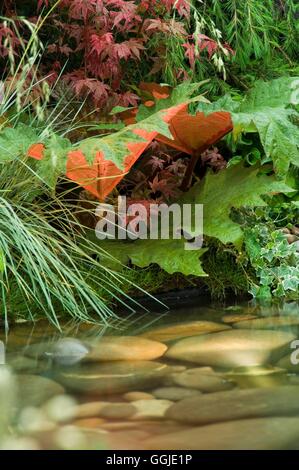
175	393
258	376
113	377
236	404
249	434
32	421
150	409
233	348
89	423
118	411
134	396
124	348
129	439
194	328
89	410
235	318
65	351
270	323
35	390
24	364
60	409
203	380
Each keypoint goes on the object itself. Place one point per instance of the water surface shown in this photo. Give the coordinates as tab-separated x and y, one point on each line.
207	376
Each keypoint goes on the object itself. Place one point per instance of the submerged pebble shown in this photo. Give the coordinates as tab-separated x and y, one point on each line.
233	348
237	404
114	377
175	393
181	330
124	348
150	409
203	379
248	434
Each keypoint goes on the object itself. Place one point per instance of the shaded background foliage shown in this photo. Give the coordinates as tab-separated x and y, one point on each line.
104	48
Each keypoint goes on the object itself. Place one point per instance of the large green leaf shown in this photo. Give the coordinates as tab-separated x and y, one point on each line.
170	255
54	161
236	186
115	146
267	110
15	141
149	119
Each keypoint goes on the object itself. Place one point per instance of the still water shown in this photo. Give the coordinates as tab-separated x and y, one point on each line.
201	377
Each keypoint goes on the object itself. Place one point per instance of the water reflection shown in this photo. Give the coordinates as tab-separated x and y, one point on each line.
173	380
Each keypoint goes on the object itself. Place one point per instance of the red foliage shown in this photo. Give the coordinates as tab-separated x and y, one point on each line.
197	133
105	42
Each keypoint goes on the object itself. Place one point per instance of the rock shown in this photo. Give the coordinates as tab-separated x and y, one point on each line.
193	328
175	393
21	443
20	363
89	423
258	376
65	351
150	409
124	348
233	348
250	434
33	421
269	323
8	398
291	238
118	411
69	351
35	390
113	426
295	230
235	318
236	404
75	438
60	409
129	439
114	377
203	379
89	410
134	396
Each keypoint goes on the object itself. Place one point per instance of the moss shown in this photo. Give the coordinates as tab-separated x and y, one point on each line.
226	276
226	272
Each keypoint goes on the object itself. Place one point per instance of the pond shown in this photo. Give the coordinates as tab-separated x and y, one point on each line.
205	376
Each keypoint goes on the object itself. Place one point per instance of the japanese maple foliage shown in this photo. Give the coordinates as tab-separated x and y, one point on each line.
103	48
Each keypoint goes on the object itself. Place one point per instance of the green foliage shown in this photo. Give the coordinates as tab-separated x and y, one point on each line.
170	255
15	142
226	272
267	111
275	262
262	33
236	186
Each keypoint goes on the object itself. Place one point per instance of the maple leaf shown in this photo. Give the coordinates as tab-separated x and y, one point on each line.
166	186
204	42
99	44
42	3
81	9
156	163
177	167
190	53
96	88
